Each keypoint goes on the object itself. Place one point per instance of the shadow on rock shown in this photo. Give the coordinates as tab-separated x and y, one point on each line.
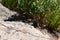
24	18
27	19
18	17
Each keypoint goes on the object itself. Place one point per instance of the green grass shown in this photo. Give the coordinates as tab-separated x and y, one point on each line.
11	4
43	11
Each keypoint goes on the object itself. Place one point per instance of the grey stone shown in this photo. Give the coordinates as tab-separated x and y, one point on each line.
18	30
27	32
5	12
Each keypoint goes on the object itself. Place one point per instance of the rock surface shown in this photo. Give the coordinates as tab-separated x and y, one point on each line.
18	30
5	12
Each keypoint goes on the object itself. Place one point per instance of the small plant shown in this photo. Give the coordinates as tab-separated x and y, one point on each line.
11	4
42	11
50	14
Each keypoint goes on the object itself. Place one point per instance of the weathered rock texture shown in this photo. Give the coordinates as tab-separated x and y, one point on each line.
18	30
5	12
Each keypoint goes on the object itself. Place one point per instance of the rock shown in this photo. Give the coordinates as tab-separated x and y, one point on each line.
5	12
20	31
